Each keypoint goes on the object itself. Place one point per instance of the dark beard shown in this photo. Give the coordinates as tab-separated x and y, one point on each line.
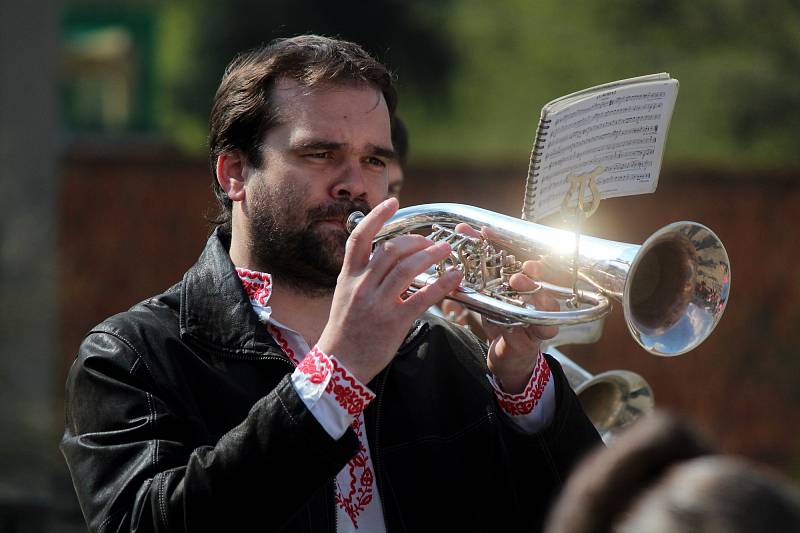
288	242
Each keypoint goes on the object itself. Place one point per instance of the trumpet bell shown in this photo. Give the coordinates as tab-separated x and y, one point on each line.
676	288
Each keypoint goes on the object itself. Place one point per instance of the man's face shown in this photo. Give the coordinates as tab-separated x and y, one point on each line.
327	157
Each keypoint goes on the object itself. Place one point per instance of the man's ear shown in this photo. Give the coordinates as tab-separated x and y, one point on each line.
230	174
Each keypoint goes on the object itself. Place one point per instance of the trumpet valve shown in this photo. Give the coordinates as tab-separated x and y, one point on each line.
510	267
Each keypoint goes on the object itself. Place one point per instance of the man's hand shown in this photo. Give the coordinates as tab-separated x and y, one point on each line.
370	315
513	352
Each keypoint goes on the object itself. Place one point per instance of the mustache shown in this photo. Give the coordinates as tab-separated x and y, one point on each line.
337	210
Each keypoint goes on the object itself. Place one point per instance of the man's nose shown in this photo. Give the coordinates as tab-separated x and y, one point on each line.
350	182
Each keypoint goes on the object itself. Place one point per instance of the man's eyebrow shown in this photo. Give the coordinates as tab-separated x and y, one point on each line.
382	151
372	149
317	145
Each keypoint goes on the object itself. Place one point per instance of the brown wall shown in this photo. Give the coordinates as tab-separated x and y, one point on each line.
131	226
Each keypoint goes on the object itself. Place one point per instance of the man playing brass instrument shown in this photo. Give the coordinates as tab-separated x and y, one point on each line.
287	382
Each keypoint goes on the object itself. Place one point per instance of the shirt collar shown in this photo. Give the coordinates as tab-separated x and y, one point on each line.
258	286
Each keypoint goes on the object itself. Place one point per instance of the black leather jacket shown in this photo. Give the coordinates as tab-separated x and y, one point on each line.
181	417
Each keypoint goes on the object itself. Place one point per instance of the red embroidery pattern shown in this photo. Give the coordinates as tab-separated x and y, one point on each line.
350	394
283	343
524	402
317	366
257	285
362	480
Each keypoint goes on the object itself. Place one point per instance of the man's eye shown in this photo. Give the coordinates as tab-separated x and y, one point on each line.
320	155
376	162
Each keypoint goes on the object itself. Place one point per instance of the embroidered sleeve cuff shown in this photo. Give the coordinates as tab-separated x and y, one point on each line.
332	394
532	409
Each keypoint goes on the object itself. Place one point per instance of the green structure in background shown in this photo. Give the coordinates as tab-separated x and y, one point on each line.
109	79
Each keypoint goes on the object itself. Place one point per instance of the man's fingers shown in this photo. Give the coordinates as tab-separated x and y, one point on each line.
538	270
359	244
466	229
452	308
417	303
522	283
541	300
388	253
492	330
403	273
459	314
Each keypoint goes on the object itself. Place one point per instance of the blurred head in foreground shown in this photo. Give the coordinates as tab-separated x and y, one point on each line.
662	477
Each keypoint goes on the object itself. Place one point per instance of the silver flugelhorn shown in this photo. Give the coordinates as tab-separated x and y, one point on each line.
673	288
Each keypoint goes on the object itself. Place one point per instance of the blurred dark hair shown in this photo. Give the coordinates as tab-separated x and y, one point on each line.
662	476
243	112
400	140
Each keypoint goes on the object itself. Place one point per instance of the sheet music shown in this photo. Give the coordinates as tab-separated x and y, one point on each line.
622	129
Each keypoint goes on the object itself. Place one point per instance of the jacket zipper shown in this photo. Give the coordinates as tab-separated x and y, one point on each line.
261	358
335	510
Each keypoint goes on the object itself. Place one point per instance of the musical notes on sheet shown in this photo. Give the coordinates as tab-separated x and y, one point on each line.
620	128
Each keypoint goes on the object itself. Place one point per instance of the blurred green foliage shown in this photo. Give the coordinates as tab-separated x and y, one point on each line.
474	75
737	61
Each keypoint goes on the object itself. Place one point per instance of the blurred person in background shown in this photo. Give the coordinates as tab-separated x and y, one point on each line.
287	382
397	166
662	476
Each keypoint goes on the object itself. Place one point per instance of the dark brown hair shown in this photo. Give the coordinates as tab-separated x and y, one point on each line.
243	111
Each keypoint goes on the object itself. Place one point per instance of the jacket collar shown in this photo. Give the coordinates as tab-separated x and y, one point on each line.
214	308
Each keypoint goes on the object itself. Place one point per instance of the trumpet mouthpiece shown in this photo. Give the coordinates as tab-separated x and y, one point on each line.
353	220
